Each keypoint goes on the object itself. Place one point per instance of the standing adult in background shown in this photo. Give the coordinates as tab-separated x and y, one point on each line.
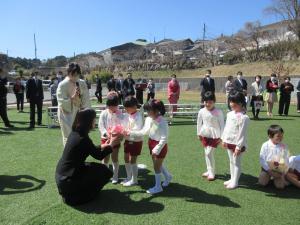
19	92
3	99
140	87
286	89
150	89
78	181
240	84
271	96
72	95
298	97
207	84
53	89
257	96
35	97
98	92
229	86
111	84
173	93
120	88
59	76
129	85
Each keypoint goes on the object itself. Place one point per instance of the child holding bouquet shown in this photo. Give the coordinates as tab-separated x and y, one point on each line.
111	123
157	129
274	158
210	125
132	146
293	175
234	136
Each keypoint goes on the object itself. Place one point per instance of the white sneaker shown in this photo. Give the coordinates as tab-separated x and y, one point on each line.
227	182
125	181
231	186
167	181
154	190
114	181
205	174
130	183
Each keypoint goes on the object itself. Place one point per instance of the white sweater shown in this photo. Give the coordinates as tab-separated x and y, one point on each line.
134	122
157	130
269	151
294	163
235	131
210	124
108	120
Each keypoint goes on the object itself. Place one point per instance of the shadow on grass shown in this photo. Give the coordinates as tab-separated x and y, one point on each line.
19	184
4	132
115	201
248	181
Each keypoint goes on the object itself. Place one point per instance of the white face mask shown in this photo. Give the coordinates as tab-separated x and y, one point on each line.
257	80
59	76
287	81
273	79
239	77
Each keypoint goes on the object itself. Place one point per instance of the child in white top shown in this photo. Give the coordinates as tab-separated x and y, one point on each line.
274	158
110	118
293	175
157	129
234	136
132	146
210	125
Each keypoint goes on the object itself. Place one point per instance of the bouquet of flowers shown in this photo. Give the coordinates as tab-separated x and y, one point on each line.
116	130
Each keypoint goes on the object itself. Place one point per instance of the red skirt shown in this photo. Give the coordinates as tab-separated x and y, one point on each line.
211	142
232	147
163	152
103	141
133	148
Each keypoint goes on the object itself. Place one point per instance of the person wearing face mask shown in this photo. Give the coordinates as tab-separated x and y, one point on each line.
35	97
3	99
286	89
207	84
240	84
271	96
120	88
72	95
257	96
59	76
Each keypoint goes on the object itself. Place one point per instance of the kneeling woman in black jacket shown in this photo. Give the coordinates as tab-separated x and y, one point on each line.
79	181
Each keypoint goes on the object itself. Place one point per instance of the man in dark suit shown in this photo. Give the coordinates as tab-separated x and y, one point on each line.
207	84
129	86
35	96
3	99
119	88
111	84
240	84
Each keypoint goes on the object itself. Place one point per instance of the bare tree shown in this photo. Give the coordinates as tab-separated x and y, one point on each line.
288	10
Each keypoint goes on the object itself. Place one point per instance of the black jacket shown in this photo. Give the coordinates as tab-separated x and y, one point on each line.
3	89
286	89
34	90
207	86
128	86
77	149
240	86
111	85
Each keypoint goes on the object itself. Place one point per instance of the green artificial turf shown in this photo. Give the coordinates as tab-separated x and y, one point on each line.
28	193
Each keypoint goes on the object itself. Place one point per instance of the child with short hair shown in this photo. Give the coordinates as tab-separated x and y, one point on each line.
132	146
157	129
210	125
274	158
110	119
293	175
234	136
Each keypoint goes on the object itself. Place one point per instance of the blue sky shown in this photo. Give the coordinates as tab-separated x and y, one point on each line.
63	27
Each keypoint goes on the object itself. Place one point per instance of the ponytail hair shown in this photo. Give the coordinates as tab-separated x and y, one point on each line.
155	106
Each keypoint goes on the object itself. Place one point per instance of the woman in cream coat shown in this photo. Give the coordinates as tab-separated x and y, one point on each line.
72	95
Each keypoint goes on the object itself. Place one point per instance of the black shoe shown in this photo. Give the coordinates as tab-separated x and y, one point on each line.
9	125
31	127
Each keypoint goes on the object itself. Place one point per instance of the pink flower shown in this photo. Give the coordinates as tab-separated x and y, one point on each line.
118	129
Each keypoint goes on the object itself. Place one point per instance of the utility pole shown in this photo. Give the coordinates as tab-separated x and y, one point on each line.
203	38
35	49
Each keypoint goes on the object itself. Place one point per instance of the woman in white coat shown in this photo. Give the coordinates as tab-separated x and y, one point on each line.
72	95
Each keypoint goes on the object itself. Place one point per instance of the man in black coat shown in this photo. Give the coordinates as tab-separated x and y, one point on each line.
240	84
3	99
120	88
129	85
35	96
207	84
111	84
98	92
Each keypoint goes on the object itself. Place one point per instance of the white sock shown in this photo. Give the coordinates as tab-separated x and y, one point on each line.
157	180
165	172
237	169
210	161
231	165
115	170
128	171
135	171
